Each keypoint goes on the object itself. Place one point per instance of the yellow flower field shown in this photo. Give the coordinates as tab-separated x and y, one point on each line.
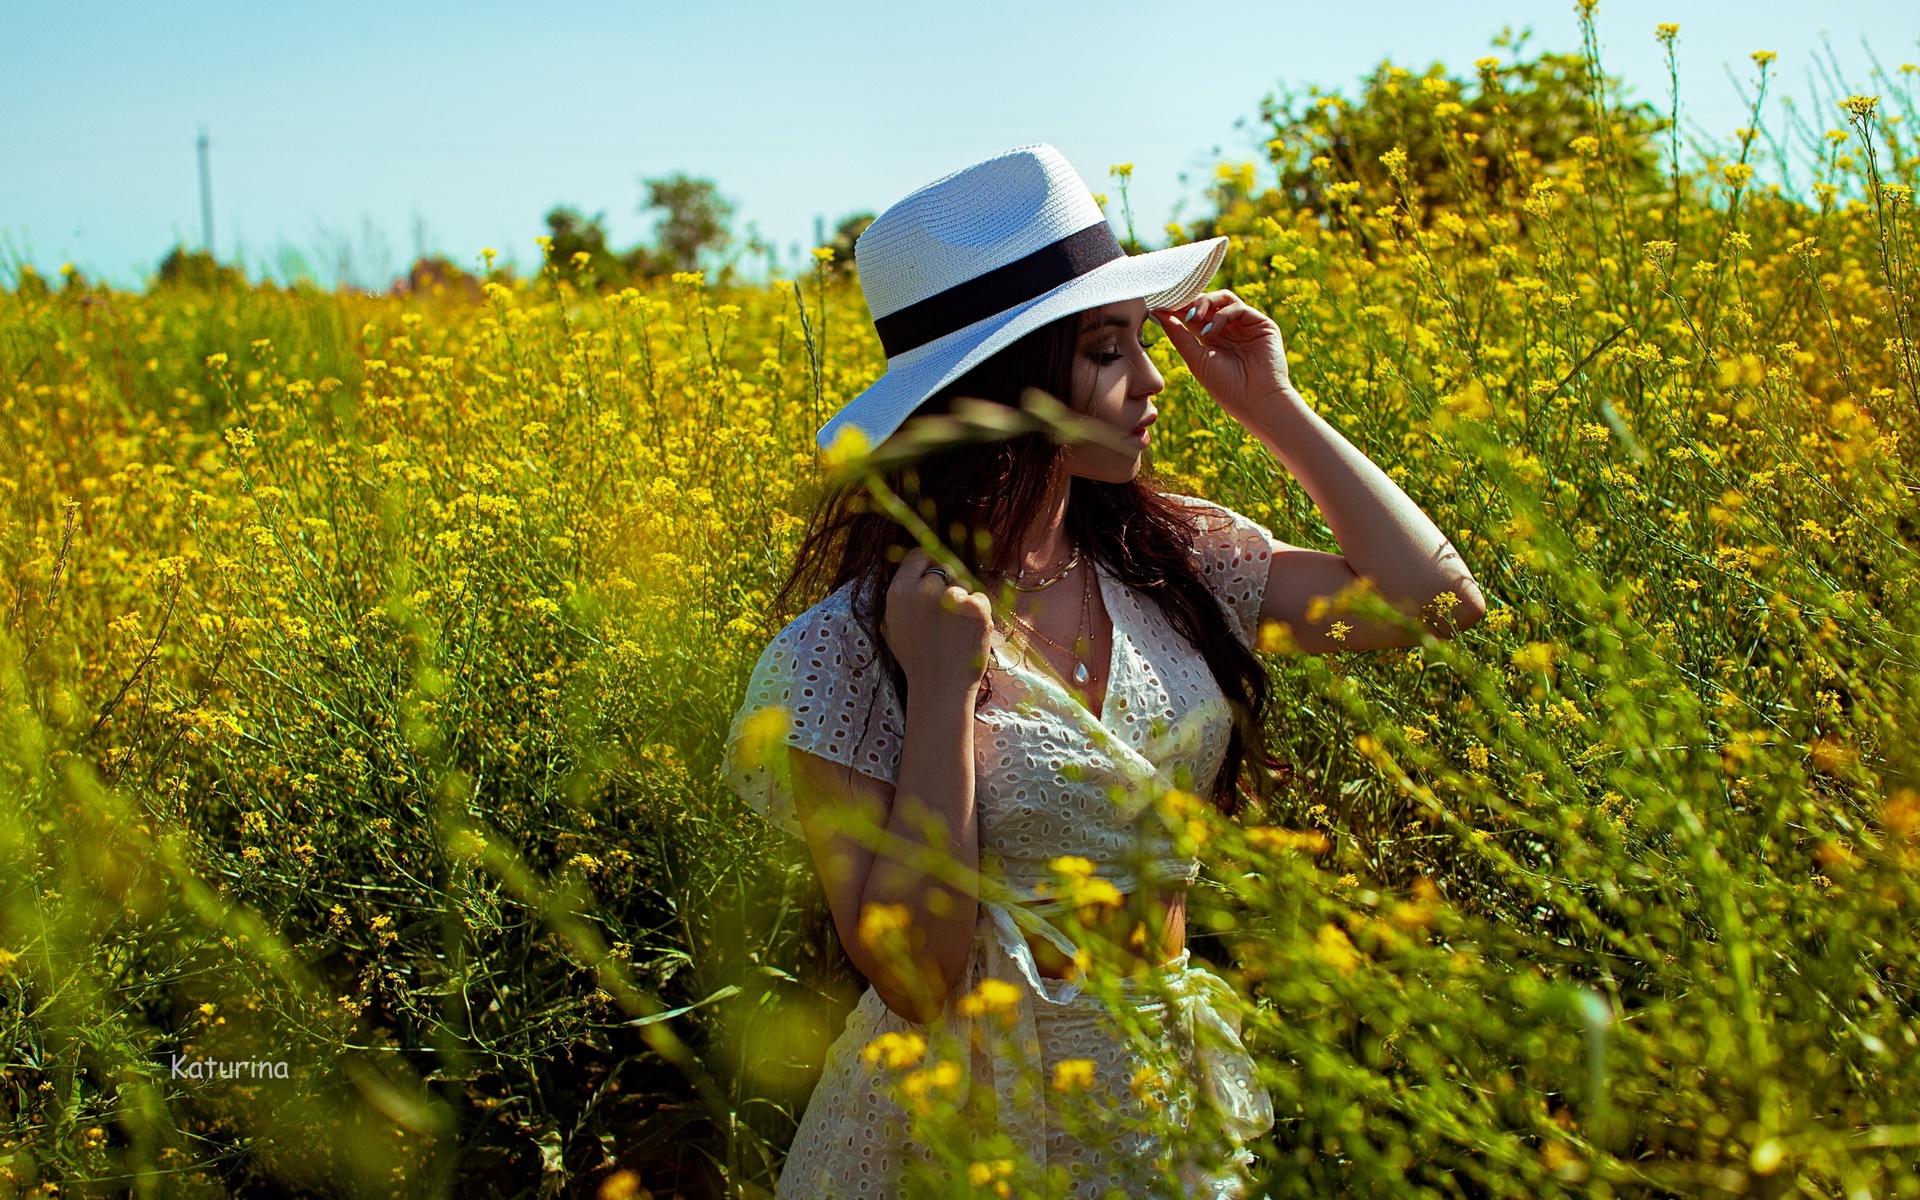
367	661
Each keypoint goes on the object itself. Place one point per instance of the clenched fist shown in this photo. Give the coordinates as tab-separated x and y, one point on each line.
938	630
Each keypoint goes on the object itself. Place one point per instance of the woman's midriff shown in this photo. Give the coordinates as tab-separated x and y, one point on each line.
1131	925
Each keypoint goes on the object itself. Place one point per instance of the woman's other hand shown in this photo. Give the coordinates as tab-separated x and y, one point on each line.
1234	350
938	630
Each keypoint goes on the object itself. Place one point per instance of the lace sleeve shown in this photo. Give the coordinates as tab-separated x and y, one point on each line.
818	686
1234	553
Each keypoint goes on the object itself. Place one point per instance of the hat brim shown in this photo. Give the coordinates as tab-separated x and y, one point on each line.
1164	278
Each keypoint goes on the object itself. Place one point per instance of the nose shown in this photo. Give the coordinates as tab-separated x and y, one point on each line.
1147	377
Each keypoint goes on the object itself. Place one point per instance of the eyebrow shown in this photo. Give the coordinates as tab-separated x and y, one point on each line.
1111	321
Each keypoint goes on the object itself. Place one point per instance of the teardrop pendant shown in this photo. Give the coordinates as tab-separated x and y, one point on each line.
1080	673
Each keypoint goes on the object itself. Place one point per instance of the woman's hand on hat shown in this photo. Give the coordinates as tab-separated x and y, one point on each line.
1233	349
938	631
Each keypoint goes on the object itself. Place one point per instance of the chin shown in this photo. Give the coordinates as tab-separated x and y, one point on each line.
1111	468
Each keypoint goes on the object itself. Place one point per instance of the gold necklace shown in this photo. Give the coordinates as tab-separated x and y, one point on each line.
1050	580
1082	648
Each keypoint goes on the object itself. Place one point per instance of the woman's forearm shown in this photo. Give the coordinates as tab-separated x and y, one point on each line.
1382	532
932	813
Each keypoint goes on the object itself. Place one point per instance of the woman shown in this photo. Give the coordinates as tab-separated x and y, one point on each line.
948	757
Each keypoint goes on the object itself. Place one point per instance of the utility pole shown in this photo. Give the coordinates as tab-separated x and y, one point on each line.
206	194
819	230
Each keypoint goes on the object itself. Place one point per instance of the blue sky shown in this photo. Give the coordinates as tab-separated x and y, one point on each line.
355	134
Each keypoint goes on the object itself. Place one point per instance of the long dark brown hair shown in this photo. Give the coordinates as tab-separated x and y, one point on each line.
979	496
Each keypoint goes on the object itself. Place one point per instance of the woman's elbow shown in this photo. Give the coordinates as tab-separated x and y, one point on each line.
916	1008
913	993
919	1000
1460	605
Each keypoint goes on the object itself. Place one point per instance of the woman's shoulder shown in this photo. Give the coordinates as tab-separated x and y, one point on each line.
1214	520
1233	553
814	688
827	651
832	624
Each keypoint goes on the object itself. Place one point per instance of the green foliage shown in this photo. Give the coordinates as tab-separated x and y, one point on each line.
845	235
1503	127
694	227
695	221
577	251
199	270
29	282
366	663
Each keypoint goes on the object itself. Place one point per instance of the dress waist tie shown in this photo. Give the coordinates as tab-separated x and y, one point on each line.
1208	1012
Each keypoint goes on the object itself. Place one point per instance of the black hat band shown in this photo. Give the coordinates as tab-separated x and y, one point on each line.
998	290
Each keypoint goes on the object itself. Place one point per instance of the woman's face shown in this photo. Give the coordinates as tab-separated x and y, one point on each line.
1113	381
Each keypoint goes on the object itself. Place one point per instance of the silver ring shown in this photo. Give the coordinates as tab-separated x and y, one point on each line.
937	569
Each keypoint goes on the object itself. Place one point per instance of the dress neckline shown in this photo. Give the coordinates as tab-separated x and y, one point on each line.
1014	663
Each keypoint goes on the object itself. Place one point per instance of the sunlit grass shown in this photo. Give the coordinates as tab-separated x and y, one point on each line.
367	662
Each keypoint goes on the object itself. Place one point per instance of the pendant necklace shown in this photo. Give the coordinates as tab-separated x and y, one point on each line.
1082	648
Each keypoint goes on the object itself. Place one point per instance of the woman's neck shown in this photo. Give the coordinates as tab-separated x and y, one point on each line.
1046	545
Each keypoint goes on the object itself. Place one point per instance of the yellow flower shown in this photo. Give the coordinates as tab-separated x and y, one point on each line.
1095	894
763	734
1534	656
941	1075
1860	107
896	1050
1274	840
991	996
879	923
1276	637
849	447
1071	865
1332	946
1072	1074
622	1185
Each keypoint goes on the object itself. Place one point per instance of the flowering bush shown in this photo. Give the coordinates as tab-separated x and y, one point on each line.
367	661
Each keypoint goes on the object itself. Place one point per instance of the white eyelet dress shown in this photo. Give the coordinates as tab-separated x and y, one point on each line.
1046	773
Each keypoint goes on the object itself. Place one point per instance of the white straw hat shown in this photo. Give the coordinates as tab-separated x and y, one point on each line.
969	264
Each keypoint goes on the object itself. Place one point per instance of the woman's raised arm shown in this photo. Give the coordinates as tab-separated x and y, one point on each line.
1236	353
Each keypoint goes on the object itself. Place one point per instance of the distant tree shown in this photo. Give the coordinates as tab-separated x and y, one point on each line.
1515	112
436	275
570	235
845	235
198	269
697	219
